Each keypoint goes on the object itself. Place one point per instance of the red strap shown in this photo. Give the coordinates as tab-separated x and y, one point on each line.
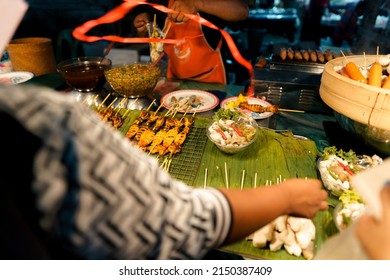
120	11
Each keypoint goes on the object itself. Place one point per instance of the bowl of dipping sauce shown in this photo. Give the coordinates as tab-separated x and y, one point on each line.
84	74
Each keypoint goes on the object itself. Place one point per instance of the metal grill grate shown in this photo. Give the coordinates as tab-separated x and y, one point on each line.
185	165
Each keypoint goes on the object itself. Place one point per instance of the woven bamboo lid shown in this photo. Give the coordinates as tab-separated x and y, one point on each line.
360	102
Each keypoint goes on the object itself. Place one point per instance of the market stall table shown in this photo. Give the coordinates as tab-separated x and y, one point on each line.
276	155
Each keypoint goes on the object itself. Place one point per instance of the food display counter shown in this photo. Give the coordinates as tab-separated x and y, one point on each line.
286	147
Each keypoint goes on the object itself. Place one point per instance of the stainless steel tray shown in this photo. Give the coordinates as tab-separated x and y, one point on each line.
292	96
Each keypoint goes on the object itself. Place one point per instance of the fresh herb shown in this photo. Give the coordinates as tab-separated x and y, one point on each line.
226	114
349	156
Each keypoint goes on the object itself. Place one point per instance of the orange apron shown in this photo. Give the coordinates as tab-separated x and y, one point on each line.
193	58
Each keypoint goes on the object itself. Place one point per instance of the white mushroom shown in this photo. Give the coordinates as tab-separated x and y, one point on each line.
308	253
277	240
280	223
293	249
263	235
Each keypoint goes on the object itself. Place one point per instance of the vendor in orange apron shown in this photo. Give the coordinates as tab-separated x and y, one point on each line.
193	58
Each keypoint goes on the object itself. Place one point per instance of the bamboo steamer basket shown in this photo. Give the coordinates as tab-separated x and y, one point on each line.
359	108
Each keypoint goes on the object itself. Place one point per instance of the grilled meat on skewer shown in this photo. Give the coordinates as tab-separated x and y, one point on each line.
258	108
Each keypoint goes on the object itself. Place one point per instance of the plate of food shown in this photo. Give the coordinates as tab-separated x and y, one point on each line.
15	77
336	167
189	101
255	107
350	208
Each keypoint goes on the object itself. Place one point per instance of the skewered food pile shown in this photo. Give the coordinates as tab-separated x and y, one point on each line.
242	102
371	75
158	134
185	103
309	55
109	115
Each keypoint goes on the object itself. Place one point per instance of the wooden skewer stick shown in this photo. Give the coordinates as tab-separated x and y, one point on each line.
255	181
365	61
150	105
158	109
128	110
118	107
242	179
188	109
112	103
86	99
344	56
132	103
226	177
291	110
105	99
205	178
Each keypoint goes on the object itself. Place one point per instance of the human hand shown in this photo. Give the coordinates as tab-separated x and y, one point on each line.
305	197
373	234
183	6
140	23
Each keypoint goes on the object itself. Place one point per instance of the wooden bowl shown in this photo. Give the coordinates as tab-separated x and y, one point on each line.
359	108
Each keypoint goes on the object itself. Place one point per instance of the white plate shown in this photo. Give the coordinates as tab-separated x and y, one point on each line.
16	77
207	100
251	100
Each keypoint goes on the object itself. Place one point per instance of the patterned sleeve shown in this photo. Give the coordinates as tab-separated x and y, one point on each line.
103	197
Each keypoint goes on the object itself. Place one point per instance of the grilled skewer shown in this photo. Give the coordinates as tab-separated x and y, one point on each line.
262	109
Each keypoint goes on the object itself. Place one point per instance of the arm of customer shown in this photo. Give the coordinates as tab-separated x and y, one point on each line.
373	234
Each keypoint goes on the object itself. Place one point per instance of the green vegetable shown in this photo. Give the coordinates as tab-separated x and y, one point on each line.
350	196
332	174
349	156
226	114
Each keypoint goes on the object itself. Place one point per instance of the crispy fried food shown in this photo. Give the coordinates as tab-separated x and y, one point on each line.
132	131
116	120
283	53
305	55
261	63
313	55
290	53
146	138
141	130
258	108
173	149
152	118
328	55
143	115
159	149
170	137
170	122
188	121
298	55
158	123
320	56
159	137
180	137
